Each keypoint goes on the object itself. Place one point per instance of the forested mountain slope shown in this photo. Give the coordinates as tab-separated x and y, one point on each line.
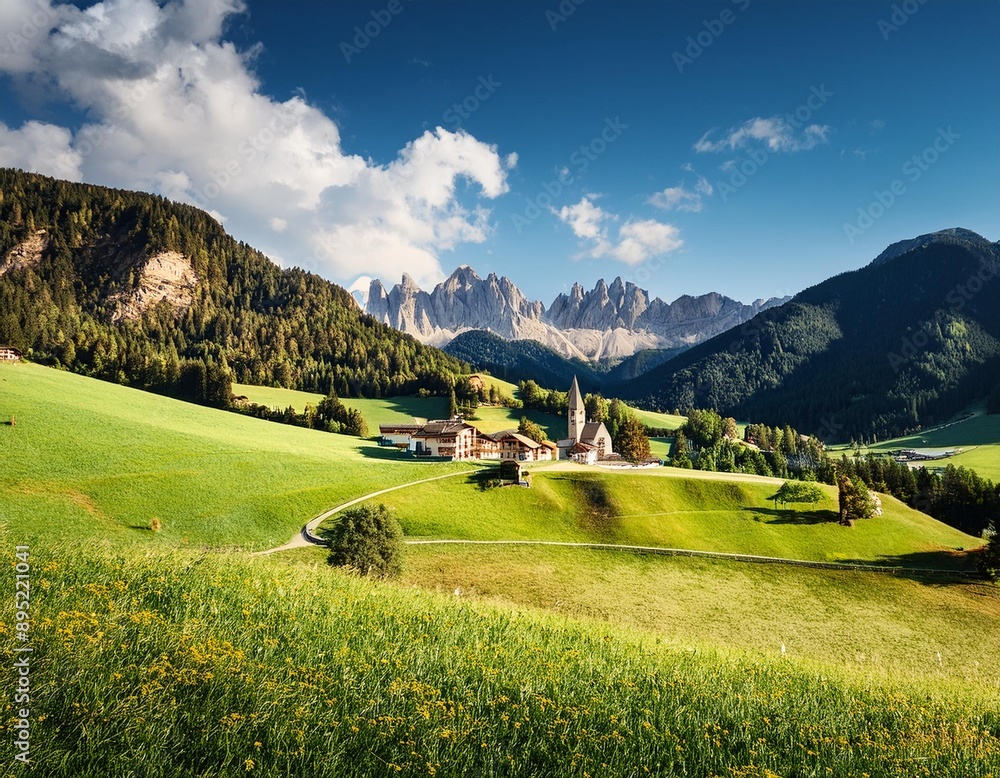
904	342
136	289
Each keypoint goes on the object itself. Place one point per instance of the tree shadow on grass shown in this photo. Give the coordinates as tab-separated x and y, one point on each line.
919	565
385	452
803	518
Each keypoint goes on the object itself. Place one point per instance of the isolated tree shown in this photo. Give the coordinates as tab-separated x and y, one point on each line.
989	555
368	539
529	429
797	491
632	442
856	501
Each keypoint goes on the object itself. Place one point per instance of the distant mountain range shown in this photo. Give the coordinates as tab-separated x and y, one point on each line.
606	323
904	342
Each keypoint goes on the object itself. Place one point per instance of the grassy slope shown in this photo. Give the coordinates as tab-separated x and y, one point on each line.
183	662
864	621
392	410
104	458
395	410
666	508
979	435
666	421
181	665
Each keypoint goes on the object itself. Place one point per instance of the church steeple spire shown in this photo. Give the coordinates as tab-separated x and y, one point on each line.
577	412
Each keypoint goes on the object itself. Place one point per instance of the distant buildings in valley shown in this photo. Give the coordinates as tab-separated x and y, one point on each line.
457	439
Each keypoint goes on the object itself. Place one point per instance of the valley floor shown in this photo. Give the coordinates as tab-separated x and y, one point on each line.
178	652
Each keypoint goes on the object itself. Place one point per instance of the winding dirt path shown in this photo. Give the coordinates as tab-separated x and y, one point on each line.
305	536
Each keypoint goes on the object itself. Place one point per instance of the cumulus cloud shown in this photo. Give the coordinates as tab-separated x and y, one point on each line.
41	148
776	133
636	241
174	108
584	219
683	199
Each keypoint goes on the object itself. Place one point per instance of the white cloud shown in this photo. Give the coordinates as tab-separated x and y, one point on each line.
584	219
174	108
41	148
776	133
683	199
636	241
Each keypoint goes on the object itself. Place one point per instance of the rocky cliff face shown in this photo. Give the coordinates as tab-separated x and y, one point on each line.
608	322
165	277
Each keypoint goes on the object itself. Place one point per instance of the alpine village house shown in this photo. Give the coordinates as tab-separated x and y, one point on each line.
456	439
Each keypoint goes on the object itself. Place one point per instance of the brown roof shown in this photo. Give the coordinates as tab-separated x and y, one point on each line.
397	428
434	429
526	441
593	430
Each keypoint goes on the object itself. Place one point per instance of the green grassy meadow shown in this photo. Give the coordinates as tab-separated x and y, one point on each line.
978	435
177	653
391	410
857	620
183	664
668	509
667	421
93	458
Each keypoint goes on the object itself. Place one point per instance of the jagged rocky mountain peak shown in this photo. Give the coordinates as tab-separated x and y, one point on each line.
609	321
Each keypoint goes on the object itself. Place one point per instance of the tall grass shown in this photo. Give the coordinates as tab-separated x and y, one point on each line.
186	665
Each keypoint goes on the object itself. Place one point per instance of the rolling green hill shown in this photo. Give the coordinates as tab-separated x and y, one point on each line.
90	458
181	664
871	624
172	654
390	410
675	509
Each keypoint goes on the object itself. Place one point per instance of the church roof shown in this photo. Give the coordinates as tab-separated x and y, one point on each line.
593	430
575	398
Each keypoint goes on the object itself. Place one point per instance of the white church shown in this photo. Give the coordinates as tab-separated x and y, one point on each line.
587	441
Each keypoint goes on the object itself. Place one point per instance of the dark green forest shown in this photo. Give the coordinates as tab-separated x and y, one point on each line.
868	355
519	360
250	321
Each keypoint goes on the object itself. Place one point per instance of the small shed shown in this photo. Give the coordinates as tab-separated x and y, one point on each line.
510	470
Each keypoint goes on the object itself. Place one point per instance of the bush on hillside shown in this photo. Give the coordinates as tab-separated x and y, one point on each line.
989	555
369	540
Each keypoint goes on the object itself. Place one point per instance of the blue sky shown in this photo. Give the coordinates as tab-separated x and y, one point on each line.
752	148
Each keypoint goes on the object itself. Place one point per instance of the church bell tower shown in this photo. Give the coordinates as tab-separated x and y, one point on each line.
577	413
